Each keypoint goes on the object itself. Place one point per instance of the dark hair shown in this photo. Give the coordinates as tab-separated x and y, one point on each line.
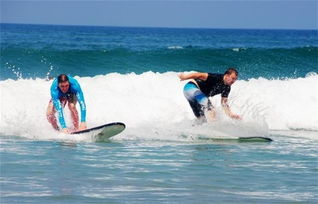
230	71
62	78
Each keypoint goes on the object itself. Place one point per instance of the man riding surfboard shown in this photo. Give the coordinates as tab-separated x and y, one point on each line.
204	85
66	89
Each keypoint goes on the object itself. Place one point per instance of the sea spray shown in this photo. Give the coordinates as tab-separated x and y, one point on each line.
153	103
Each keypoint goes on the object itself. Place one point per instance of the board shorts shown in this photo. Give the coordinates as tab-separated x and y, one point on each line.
71	98
198	101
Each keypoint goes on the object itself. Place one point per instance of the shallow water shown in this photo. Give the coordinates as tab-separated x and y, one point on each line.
160	171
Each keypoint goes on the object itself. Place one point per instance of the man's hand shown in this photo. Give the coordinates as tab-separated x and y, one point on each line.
82	126
182	76
234	116
227	110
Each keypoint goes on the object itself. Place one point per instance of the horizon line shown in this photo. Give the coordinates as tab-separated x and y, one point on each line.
162	27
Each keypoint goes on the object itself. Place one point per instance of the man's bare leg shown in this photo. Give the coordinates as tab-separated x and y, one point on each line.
74	114
210	115
50	115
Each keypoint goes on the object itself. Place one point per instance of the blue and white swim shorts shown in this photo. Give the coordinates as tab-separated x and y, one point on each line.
198	101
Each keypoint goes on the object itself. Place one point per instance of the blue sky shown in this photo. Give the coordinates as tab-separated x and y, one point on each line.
283	14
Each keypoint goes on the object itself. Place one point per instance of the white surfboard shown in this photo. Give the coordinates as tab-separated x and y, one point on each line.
238	139
104	132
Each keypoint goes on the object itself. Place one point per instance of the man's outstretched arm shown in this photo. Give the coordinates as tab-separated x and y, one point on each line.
198	75
227	109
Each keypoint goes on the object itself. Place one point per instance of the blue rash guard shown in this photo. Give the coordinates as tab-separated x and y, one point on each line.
57	94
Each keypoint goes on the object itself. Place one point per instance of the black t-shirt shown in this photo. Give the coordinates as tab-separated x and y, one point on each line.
214	85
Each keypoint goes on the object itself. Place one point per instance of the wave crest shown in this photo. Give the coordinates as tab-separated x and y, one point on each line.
154	102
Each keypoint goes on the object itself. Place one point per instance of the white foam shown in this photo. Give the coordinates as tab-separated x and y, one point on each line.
175	47
289	104
152	106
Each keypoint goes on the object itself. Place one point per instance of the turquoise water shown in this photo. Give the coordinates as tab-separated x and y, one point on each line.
284	171
130	75
88	51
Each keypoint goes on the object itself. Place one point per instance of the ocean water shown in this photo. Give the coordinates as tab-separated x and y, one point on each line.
130	75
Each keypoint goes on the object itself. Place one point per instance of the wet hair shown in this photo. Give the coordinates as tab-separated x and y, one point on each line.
230	71
62	78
